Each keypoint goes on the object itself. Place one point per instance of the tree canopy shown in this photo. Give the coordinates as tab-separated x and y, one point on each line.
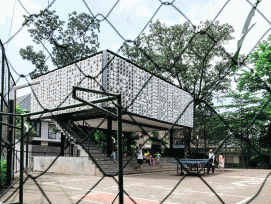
70	42
249	99
257	81
194	62
196	68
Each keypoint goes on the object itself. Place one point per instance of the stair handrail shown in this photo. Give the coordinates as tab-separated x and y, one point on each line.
70	130
87	136
83	122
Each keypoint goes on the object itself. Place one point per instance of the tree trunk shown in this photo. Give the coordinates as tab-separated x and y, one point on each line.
242	151
187	138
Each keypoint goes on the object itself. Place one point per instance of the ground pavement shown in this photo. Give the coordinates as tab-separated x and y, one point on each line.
233	186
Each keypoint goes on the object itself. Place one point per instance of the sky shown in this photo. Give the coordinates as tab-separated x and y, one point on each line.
127	20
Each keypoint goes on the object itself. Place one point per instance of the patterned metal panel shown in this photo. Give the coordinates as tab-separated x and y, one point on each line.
158	100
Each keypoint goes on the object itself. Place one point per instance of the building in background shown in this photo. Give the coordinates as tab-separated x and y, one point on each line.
45	139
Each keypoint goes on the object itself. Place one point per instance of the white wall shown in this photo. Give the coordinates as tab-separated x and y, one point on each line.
17	158
44	134
65	165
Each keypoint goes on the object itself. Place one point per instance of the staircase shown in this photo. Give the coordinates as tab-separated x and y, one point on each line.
78	133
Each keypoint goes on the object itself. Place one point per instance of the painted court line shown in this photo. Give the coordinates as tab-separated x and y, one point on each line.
243	201
104	198
53	184
107	198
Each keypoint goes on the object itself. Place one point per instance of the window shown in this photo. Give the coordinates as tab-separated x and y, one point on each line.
51	134
37	127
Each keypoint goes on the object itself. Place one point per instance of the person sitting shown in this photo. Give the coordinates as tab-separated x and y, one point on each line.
146	156
114	155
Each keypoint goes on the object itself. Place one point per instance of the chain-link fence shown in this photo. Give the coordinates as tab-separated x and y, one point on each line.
7	82
201	101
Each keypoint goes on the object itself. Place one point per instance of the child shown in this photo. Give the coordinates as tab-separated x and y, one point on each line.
114	155
221	162
157	156
139	158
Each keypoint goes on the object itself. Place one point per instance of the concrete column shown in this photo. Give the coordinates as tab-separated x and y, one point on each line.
108	137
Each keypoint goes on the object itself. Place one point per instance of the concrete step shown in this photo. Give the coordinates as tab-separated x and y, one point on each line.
99	156
140	171
94	151
115	168
91	146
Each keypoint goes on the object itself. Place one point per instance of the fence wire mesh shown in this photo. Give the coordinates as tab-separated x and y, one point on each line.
231	63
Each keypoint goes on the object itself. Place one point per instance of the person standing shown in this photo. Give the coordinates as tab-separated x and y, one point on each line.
186	154
221	162
139	158
157	157
211	165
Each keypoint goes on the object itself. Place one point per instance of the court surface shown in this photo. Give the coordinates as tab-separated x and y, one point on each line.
233	186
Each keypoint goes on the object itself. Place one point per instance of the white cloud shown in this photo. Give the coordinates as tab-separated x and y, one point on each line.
131	36
23	38
140	6
114	47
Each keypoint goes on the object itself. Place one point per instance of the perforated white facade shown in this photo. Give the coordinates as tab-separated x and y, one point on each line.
158	100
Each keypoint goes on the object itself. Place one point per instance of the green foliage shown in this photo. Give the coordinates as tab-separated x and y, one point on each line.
258	79
100	139
253	89
36	58
155	134
18	124
77	41
193	68
3	175
55	130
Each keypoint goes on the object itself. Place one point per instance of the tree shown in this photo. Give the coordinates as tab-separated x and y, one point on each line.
18	124
253	90
77	41
195	69
257	80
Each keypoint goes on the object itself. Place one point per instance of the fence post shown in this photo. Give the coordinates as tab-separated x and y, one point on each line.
21	161
1	108
9	152
119	138
26	151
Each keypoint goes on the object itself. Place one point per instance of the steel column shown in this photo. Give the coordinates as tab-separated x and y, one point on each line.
62	144
120	154
10	140
171	140
21	162
108	136
129	142
26	151
2	103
